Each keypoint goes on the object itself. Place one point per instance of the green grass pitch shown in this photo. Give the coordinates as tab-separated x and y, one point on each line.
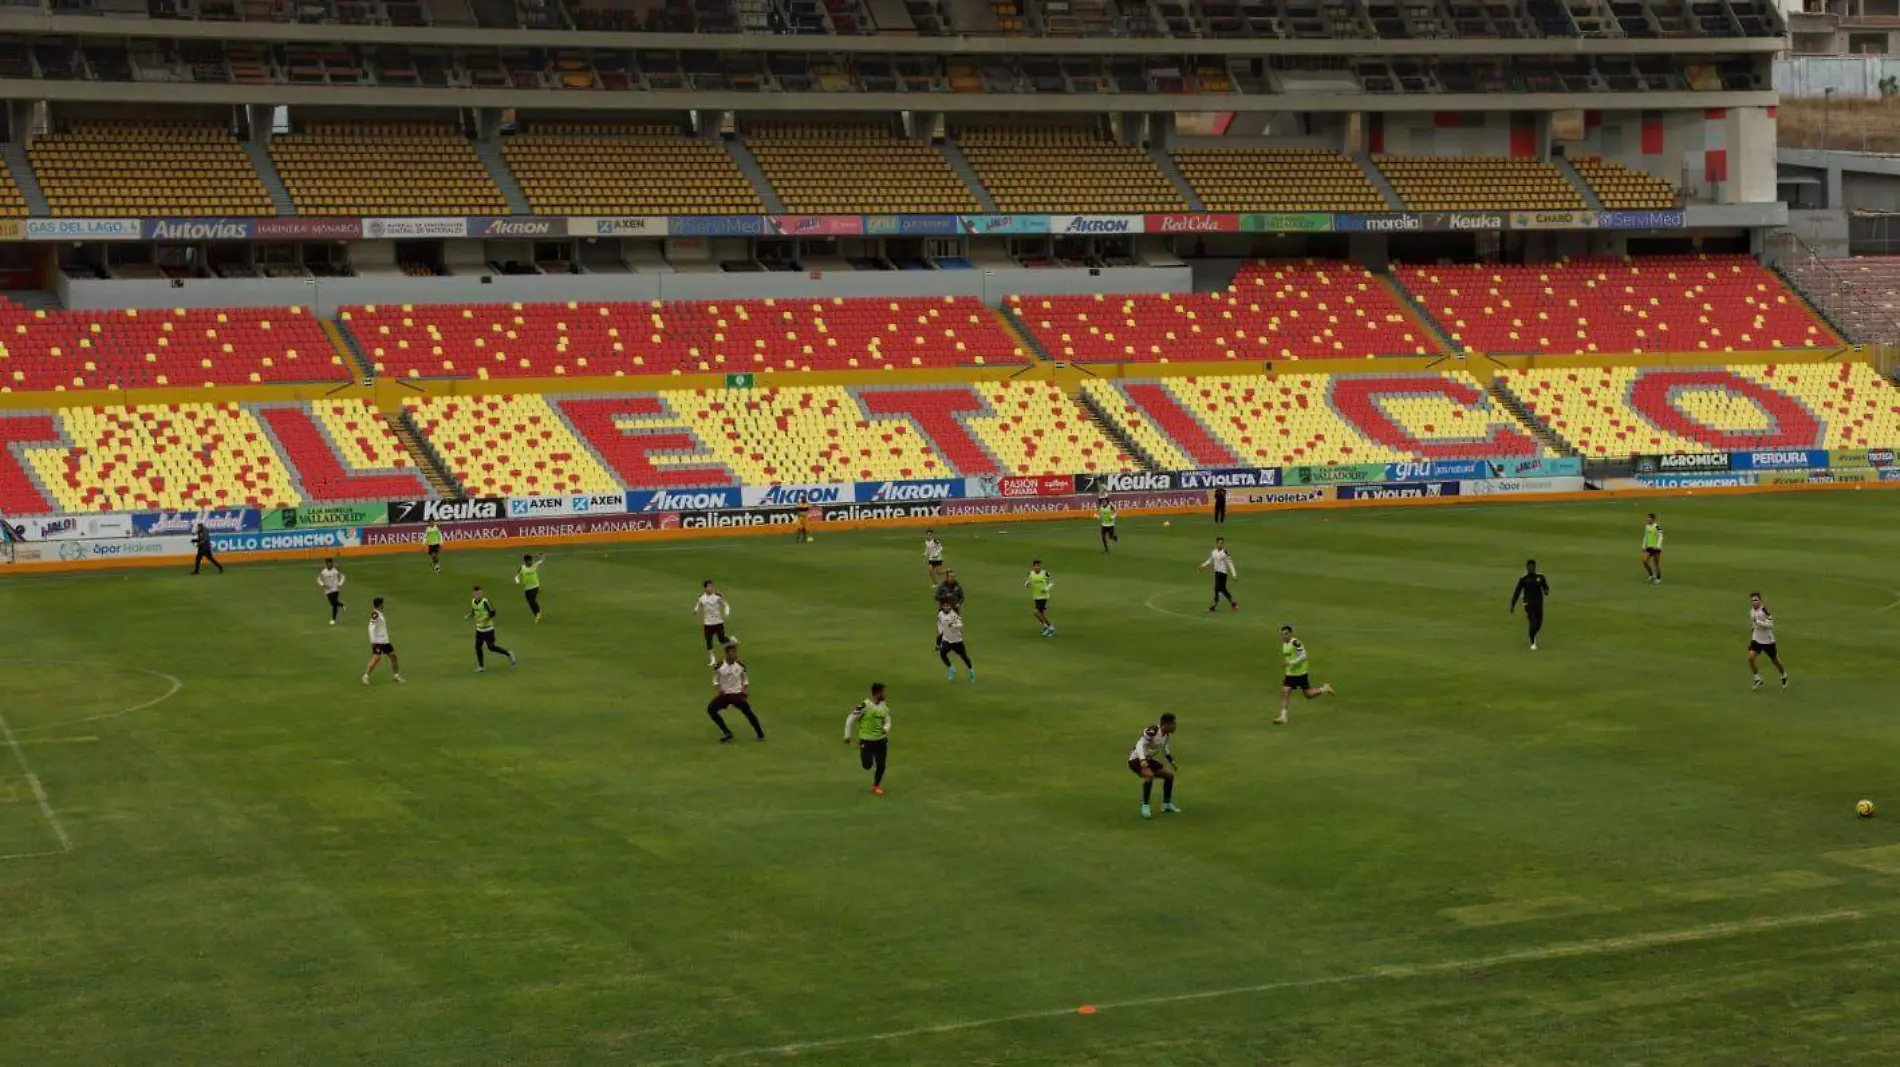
1608	851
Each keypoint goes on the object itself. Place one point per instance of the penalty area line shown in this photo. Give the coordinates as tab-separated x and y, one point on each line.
39	791
1561	950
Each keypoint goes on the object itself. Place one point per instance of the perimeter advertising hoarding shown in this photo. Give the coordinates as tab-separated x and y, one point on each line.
654	500
1693	481
1306	494
287	540
1860	457
1783	459
320	515
910	226
1683	463
908	491
1035	505
68	527
1398	491
1843	476
217	520
550	529
885	510
1537	467
427	511
1230	478
743	519
985	485
1438	470
117	548
547	507
1126	482
1514	486
1345	472
794	496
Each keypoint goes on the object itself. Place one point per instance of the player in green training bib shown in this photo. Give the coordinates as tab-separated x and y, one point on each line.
1039	583
869	724
1652	550
483	613
529	579
432	537
1105	510
1298	673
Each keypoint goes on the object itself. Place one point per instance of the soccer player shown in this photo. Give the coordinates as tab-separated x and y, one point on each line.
713	613
950	639
1652	550
801	526
1298	673
201	537
483	613
1761	638
1224	568
529	579
933	556
732	689
1220	505
1105	510
330	580
1039	583
870	721
1533	588
432	537
379	643
1146	759
951	591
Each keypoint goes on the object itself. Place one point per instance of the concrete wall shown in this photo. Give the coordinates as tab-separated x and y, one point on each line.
1869	192
1851	77
1823	231
1420	134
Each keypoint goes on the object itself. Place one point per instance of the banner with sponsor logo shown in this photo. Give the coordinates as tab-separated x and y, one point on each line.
1692	481
1537	467
915	509
1789	459
713	499
1310	494
1860	457
1463	221
1132	482
86	548
221	520
1640	220
617	226
1881	457
307	229
1842	476
1514	486
1191	223
1081	502
1095	225
984	485
1438	470
287	540
1684	461
911	226
793	496
892	492
1397	491
715	225
1384	222
1890	474
550	529
736	520
12	229
815	225
1229	478
320	515
1003	225
68	527
1553	220
1336	475
390	229
539	226
427	511
84	230
199	229
520	507
1286	222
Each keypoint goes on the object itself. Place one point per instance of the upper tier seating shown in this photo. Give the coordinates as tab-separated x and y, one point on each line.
1065	168
1478	183
1659	304
120	168
1278	179
12	201
1620	411
131	349
845	168
1273	311
736	336
532	444
414	168
626	169
173	456
1309	419
1621	188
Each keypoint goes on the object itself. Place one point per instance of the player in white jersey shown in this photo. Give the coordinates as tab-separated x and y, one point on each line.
330	580
1151	758
732	688
1761	639
1224	569
933	557
950	639
713	611
379	643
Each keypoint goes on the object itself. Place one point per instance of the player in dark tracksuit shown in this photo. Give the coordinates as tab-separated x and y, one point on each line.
1220	503
202	538
1532	589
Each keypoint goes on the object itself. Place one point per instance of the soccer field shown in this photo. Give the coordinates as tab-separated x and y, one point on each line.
1608	851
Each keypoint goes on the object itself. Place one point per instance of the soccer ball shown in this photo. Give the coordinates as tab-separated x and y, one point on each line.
1864	809
1166	523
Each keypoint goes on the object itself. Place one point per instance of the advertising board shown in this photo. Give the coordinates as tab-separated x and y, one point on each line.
1537	467
1840	476
1229	478
550	529
219	520
1397	491
86	548
651	500
1023	485
286	540
1683	462
749	518
1514	486
1308	494
889	510
320	515
1787	459
392	229
1438	470
911	491
617	226
1073	502
426	511
1336	475
793	496
68	527
1126	482
1693	481
523	507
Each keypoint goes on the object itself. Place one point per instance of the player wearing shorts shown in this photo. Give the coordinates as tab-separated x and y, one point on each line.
713	612
1298	673
1652	550
1761	640
732	688
870	725
330	580
1039	583
1151	758
484	613
950	640
529	579
933	557
432	539
1105	511
379	643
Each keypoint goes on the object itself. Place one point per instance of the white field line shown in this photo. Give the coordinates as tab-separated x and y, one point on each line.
176	685
39	791
1604	946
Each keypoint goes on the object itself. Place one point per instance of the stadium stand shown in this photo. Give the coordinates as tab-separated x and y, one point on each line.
740	336
137	168
508	445
1478	183
385	168
1621	188
1065	168
1619	411
62	350
1660	304
1290	179
851	167
626	168
1310	310
1309	419
12	201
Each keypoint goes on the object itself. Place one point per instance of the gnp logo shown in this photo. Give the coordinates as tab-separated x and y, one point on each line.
688	500
911	491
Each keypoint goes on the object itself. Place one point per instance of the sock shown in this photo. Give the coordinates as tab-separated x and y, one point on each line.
720	721
1167	790
1147	790
753	719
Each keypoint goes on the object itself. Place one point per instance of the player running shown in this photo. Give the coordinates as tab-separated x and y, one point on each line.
1039	583
483	613
713	613
1761	639
950	639
1105	511
870	722
432	539
379	643
933	557
732	688
1224	569
1298	673
1147	760
951	591
1652	550
529	579
330	580
1533	588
